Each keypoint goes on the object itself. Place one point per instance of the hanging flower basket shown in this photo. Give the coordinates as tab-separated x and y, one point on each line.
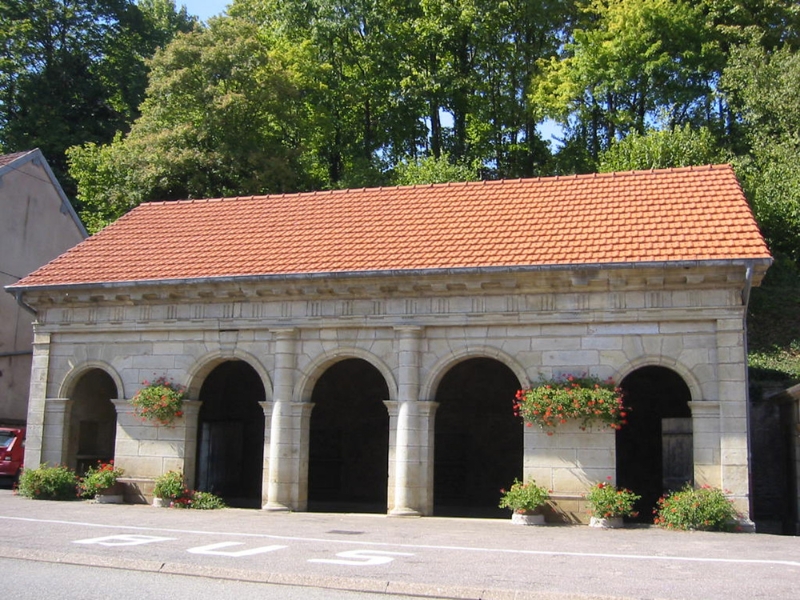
586	399
160	402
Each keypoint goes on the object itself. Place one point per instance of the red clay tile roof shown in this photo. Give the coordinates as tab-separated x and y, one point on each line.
7	159
688	214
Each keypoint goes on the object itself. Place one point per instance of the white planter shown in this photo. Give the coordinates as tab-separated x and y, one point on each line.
161	502
109	498
606	523
527	519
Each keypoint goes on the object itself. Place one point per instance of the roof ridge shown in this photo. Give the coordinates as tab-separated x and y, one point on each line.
454	184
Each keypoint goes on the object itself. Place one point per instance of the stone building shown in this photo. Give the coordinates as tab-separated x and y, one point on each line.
37	223
360	349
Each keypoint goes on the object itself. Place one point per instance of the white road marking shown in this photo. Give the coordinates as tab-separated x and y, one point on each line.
363	558
214	549
124	540
666	558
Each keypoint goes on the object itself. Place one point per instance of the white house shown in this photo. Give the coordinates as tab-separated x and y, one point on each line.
37	223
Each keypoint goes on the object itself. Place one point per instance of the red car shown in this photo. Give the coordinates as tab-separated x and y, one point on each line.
12	451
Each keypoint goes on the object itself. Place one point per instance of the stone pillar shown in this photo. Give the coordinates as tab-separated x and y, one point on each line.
146	450
267	408
706	443
427	434
733	414
279	488
301	434
55	434
187	430
407	465
34	434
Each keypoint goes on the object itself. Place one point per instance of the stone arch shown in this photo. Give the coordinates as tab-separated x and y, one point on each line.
90	424
443	365
231	431
71	378
478	442
314	370
685	372
348	438
207	363
654	450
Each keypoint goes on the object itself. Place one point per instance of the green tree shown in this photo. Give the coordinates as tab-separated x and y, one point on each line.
661	149
433	170
223	116
72	71
763	86
631	63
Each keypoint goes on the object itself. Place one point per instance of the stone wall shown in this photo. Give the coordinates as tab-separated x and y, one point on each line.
412	330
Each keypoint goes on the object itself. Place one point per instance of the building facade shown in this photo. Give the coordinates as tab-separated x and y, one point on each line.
37	223
389	389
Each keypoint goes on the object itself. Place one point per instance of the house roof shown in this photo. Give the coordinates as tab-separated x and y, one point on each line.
14	162
672	215
7	159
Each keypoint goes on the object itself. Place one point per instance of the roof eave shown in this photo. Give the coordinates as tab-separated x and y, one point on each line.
762	263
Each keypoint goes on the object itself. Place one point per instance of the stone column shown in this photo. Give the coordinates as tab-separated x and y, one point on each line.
34	434
427	433
706	443
407	471
301	434
279	488
55	447
266	407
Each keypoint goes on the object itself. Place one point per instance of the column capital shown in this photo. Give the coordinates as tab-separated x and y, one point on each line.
409	331
284	333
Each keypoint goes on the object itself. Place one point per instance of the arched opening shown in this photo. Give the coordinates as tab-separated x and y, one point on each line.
654	449
348	466
92	421
478	440
230	446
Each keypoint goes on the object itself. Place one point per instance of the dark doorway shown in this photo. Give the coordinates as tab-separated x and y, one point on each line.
92	421
479	441
348	467
654	450
230	446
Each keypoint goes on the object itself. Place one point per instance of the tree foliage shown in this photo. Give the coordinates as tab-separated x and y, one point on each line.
73	71
294	95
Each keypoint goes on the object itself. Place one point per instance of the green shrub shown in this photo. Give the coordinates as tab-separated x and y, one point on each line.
524	496
206	501
170	486
48	483
704	509
103	476
606	500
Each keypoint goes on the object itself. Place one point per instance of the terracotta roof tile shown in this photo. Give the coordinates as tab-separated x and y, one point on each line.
684	214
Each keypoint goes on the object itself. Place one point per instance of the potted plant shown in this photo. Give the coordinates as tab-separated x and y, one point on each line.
101	483
586	398
160	401
169	488
526	501
608	504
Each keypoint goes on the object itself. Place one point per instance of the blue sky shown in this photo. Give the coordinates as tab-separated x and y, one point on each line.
203	8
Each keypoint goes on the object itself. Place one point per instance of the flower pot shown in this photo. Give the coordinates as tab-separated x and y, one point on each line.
114	494
162	502
606	522
527	518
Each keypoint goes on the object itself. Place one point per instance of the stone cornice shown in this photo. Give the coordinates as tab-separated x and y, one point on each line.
382	289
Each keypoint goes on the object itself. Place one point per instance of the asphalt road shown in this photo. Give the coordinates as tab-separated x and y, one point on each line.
427	557
57	581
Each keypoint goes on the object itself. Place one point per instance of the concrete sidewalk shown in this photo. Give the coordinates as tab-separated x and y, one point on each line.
428	557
